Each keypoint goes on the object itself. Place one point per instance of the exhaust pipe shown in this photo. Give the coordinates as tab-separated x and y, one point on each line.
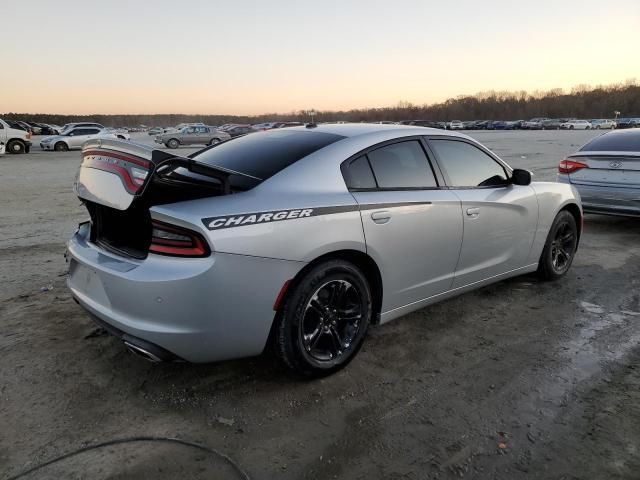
147	350
141	352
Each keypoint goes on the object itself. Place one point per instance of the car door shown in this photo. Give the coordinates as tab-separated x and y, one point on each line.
500	219
204	135
412	227
188	136
77	137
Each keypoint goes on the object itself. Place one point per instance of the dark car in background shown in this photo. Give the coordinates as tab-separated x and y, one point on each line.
423	123
238	130
628	122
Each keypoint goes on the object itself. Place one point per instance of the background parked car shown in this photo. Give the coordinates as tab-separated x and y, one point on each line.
73	138
15	140
606	173
423	123
628	122
69	126
456	125
47	129
238	130
155	131
603	123
553	123
534	123
194	135
576	125
121	133
288	124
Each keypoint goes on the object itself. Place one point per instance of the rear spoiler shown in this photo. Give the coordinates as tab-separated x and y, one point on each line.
159	160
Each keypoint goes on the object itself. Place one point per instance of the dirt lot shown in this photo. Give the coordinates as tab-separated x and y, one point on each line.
517	380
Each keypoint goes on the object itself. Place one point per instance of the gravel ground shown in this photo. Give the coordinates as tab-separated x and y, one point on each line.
517	380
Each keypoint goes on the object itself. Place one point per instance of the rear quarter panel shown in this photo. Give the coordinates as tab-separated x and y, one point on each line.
299	239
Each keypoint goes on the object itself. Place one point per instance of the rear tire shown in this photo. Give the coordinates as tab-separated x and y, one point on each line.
173	143
16	147
560	247
324	319
61	147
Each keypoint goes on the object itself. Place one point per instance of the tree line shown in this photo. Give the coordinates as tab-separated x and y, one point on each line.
582	101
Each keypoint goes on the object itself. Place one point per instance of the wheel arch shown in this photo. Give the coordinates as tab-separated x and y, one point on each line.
16	140
361	260
574	210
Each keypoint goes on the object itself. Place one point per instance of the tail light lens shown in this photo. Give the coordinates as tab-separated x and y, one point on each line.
131	170
569	166
177	241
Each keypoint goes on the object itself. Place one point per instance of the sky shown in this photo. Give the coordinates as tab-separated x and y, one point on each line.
253	57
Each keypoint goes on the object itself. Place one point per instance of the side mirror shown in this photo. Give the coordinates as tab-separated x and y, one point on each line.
521	177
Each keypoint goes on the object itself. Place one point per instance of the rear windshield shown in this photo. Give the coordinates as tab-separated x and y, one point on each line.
614	142
263	154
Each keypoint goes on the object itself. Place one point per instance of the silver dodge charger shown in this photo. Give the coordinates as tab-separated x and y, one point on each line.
301	238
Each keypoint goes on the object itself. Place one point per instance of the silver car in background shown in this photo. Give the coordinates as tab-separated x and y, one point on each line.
302	237
606	173
74	137
192	135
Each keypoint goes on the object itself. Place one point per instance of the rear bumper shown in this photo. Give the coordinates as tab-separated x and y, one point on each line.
198	309
607	200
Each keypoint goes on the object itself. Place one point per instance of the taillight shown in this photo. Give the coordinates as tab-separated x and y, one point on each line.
569	166
177	241
131	170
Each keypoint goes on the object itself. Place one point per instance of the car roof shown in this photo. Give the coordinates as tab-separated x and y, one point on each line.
351	130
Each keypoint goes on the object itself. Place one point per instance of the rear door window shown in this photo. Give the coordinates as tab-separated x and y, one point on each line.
402	165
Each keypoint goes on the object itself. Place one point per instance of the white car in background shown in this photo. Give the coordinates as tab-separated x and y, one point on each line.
576	125
603	123
120	133
13	140
74	138
456	125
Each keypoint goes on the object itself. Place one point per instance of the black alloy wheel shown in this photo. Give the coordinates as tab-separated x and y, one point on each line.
560	247
331	320
323	319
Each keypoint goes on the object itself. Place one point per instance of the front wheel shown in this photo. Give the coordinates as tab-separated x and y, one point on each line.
61	147
16	146
324	319
173	143
214	141
560	247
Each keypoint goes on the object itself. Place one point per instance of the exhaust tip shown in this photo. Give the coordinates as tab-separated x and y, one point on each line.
141	352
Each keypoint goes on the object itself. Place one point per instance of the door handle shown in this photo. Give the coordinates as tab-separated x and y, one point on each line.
473	212
380	217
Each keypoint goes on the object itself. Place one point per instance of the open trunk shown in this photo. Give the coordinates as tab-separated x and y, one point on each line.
119	182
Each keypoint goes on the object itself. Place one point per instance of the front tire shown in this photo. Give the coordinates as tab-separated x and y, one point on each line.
16	147
61	147
214	141
173	143
560	247
324	319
